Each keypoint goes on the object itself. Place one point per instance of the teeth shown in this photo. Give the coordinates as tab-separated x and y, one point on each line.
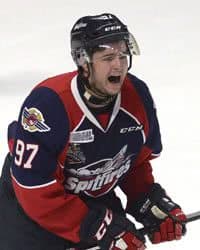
114	79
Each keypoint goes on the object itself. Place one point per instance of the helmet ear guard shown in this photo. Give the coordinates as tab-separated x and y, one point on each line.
133	45
91	31
80	56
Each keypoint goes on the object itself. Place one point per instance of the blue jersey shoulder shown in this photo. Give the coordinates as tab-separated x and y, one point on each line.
143	91
41	134
43	115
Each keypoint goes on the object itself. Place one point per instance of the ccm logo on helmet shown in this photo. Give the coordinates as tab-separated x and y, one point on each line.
131	129
118	27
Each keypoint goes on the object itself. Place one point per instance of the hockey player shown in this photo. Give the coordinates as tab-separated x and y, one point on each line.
78	136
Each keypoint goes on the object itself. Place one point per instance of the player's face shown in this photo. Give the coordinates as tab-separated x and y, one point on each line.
109	68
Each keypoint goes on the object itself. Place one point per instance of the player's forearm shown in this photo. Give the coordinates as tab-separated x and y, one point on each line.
138	181
52	209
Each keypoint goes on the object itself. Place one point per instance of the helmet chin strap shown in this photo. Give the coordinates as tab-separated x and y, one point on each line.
93	96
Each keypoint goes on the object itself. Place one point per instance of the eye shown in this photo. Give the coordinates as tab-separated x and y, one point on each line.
108	58
123	57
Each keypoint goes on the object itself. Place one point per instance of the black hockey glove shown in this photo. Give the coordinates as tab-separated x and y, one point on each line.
110	231
162	218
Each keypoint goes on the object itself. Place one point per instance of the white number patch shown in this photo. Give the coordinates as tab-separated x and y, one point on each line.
20	150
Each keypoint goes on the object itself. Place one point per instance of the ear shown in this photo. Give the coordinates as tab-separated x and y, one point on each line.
85	70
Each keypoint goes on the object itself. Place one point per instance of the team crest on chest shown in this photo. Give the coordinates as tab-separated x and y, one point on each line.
32	120
98	178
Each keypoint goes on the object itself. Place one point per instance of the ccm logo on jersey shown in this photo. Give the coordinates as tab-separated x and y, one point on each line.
131	129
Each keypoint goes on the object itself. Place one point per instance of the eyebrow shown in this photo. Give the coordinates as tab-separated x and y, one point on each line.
113	53
109	54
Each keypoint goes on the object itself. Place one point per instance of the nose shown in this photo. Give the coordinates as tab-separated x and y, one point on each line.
116	62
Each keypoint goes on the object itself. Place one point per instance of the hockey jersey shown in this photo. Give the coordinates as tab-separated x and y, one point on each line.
62	152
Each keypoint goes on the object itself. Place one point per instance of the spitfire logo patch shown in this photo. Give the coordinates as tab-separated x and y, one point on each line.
33	120
98	178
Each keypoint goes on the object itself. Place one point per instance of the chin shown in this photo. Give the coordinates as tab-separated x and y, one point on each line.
115	90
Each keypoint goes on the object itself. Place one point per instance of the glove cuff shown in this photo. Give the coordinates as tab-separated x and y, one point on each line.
152	207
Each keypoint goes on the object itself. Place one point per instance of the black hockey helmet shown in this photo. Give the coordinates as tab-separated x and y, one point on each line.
90	31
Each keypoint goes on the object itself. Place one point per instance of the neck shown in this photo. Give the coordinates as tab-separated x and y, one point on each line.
93	97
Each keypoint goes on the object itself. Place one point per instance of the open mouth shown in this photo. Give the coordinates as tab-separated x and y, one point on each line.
114	79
